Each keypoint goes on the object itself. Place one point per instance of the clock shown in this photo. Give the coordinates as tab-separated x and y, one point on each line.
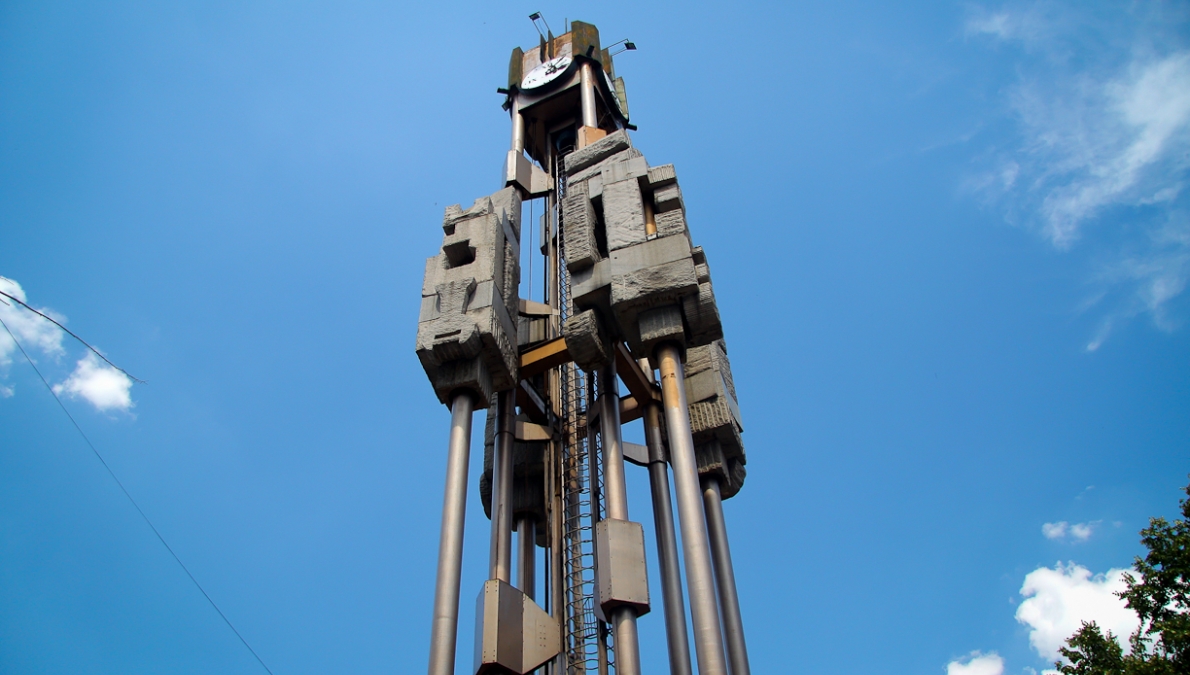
547	72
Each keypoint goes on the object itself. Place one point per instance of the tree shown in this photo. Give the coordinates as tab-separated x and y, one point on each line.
1159	593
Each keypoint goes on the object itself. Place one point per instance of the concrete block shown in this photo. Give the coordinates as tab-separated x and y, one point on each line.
671	224
668	198
466	338
578	225
595	188
702	316
660	324
623	214
660	176
614	172
717	419
587	341
711	462
700	265
646	287
596	169
528	472
600	149
591	288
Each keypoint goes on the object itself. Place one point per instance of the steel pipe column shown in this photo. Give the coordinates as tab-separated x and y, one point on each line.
587	92
729	601
500	556
700	581
526	536
445	626
615	491
518	128
667	542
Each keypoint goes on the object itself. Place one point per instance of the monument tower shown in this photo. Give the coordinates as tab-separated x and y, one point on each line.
626	300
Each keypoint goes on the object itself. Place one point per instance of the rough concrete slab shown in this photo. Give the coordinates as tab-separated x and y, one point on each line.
604	147
702	316
587	341
623	214
660	324
596	169
668	198
671	224
614	172
660	176
578	229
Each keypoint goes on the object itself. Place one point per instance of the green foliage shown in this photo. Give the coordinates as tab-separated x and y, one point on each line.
1159	593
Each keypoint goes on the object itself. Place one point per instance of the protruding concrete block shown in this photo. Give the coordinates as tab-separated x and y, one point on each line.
661	324
620	574
672	223
623	213
469	299
668	198
586	341
609	145
528	472
660	176
614	172
730	473
578	223
700	265
596	169
702	315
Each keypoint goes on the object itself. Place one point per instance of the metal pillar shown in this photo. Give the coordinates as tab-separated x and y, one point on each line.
615	488
700	582
445	626
587	91
667	541
518	128
500	556
729	601
526	535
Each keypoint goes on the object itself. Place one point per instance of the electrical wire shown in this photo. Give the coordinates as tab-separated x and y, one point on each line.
125	490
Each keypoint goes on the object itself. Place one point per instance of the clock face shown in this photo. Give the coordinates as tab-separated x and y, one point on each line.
546	72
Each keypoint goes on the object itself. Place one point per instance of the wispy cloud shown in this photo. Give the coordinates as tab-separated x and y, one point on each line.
34	332
99	384
1059	600
1062	530
1102	106
976	663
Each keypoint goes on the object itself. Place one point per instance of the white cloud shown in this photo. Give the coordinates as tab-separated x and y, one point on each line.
1059	600
34	332
99	384
1054	530
1062	529
976	664
1102	103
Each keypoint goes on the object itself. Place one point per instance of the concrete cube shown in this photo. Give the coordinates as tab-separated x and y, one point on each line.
623	213
587	341
600	149
578	229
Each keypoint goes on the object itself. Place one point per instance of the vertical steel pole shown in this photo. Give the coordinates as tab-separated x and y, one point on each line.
500	556
700	582
445	626
526	535
587	91
667	541
518	128
615	486
733	624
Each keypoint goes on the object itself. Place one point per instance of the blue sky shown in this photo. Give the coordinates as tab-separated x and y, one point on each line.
950	246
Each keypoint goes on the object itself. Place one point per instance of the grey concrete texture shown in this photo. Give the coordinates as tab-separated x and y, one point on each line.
668	198
469	300
587	341
660	176
594	172
608	145
715	420
623	212
712	463
579	222
661	324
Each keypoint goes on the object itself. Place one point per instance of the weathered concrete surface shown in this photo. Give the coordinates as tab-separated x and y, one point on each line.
715	415
578	225
466	337
661	324
623	213
608	145
586	341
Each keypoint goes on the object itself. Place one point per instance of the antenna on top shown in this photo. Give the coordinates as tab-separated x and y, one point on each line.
535	17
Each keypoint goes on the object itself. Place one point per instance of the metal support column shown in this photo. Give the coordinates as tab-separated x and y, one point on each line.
733	624
623	619
518	128
500	557
700	582
587	92
526	536
445	626
667	541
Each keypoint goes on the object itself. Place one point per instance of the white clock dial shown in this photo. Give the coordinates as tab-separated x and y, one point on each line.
546	72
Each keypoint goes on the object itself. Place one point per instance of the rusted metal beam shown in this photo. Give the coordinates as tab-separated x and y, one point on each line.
543	357
634	378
